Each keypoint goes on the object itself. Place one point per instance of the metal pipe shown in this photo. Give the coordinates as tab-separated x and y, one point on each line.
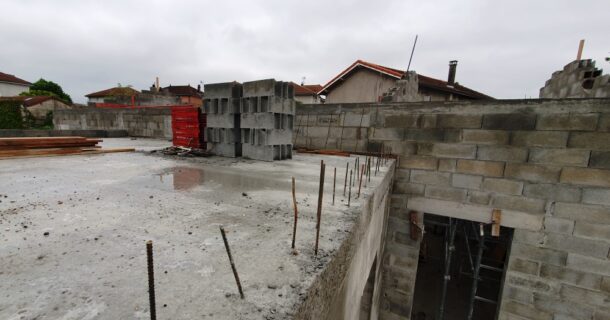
349	196
345	183
224	238
334	184
449	248
475	278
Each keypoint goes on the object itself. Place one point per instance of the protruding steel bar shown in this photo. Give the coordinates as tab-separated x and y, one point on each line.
345	183
296	213
151	280
360	183
334	184
224	238
349	196
320	196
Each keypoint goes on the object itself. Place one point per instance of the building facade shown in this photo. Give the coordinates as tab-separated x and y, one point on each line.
11	86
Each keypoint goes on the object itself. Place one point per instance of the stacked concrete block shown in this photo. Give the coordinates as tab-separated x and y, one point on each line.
267	120
222	106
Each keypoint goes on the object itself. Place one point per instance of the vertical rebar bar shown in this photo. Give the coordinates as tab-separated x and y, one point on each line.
360	183
151	280
296	213
345	183
349	197
334	184
224	238
320	196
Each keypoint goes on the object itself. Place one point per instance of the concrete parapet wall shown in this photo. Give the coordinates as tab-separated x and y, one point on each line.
544	163
139	122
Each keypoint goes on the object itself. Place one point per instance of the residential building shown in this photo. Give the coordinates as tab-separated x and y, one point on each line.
12	86
368	82
187	94
307	93
112	95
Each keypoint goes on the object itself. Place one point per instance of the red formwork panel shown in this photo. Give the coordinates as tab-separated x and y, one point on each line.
188	126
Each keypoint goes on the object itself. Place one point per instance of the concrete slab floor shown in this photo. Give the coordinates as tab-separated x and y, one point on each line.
73	232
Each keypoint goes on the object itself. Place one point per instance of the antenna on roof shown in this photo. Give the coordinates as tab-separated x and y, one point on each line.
303	81
412	51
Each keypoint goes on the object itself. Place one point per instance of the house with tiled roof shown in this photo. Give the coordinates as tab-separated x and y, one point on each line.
307	93
187	94
112	94
364	81
12	86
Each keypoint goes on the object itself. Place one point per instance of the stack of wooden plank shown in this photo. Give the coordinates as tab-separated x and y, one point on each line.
51	146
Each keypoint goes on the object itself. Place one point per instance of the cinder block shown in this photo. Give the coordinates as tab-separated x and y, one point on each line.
582	296
518	203
600	159
519	295
592	230
596	196
531	283
485	136
447	150
544	255
403	175
457	121
533	173
604	122
555	192
447	165
401	120
430	121
558	225
568	121
568	157
590	140
503	186
267	152
485	168
582	212
353	119
387	134
540	139
524	266
586	176
408	188
572	244
575	277
466	181
552	304
418	162
430	177
478	197
446	193
588	264
400	148
525	311
510	121
424	135
502	153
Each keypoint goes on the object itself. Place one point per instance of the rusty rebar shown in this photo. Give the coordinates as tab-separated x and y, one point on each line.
296	213
345	183
360	183
320	196
151	280
224	238
334	184
349	197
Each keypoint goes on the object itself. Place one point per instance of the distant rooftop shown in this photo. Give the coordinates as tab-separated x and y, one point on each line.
5	77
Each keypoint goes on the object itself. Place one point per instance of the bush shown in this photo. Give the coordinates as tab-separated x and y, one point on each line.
11	115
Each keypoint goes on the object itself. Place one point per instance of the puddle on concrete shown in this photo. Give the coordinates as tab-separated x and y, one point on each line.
184	178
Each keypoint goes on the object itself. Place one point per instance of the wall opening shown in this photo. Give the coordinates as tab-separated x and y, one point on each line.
366	301
452	253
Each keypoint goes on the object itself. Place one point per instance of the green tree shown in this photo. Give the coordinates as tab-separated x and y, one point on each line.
44	87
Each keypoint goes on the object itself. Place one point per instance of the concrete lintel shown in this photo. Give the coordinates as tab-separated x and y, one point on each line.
510	218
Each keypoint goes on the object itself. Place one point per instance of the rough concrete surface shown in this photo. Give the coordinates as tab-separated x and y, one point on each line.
73	232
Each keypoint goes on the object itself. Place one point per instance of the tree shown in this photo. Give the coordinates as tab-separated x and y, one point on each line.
47	88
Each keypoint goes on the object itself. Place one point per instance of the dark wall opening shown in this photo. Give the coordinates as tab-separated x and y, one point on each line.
453	251
366	302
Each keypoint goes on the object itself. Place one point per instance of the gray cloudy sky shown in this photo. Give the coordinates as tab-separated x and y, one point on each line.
506	49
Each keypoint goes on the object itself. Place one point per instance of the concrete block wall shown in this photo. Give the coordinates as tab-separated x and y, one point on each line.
544	163
139	122
267	116
222	107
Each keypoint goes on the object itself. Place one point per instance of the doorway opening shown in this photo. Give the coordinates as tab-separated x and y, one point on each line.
461	270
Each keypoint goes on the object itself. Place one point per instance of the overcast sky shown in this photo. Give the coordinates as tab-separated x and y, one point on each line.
506	49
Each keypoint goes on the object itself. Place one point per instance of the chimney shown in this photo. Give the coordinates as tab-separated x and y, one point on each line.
452	67
157	84
198	88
